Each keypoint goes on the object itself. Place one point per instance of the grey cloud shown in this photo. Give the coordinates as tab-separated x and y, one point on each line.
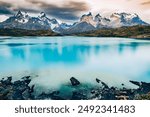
5	8
26	10
68	11
8	5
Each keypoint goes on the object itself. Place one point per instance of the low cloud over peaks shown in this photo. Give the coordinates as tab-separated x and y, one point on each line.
69	10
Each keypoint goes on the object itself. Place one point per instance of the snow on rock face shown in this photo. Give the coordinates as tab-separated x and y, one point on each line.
42	14
101	21
125	19
44	20
98	21
98	18
22	17
88	19
65	26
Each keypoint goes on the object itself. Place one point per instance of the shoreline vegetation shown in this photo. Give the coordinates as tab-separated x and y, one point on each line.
24	32
22	90
137	32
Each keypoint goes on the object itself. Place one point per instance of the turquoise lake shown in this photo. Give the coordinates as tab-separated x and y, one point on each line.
52	61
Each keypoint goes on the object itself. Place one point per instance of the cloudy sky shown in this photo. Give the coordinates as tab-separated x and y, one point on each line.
71	10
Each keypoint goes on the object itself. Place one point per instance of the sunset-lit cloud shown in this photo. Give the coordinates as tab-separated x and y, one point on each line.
71	10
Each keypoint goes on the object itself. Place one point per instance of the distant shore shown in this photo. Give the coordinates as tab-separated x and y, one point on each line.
21	90
137	32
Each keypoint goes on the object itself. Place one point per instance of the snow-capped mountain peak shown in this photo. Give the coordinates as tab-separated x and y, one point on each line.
98	15
98	18
19	14
125	19
22	17
42	14
23	21
90	14
88	18
44	20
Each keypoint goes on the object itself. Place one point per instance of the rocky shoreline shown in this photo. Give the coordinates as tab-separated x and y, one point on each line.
21	90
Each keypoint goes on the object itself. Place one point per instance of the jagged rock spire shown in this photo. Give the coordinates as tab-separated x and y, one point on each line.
19	13
89	14
42	14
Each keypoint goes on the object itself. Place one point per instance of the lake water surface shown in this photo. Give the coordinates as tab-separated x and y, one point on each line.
56	59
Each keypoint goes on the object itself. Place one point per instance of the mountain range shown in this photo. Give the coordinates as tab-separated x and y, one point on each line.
87	22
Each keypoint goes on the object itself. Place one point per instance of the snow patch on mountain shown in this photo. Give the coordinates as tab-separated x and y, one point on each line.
44	20
22	17
125	19
88	19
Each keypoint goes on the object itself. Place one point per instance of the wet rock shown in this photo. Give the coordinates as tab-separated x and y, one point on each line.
78	96
17	90
97	80
26	77
122	84
27	95
145	87
136	83
20	85
54	96
32	89
103	83
7	81
20	90
74	81
108	96
96	94
113	88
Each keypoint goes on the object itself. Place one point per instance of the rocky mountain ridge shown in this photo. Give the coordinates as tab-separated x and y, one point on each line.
86	23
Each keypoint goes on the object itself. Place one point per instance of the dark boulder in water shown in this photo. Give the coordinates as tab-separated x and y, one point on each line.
103	83
97	80
74	81
136	83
